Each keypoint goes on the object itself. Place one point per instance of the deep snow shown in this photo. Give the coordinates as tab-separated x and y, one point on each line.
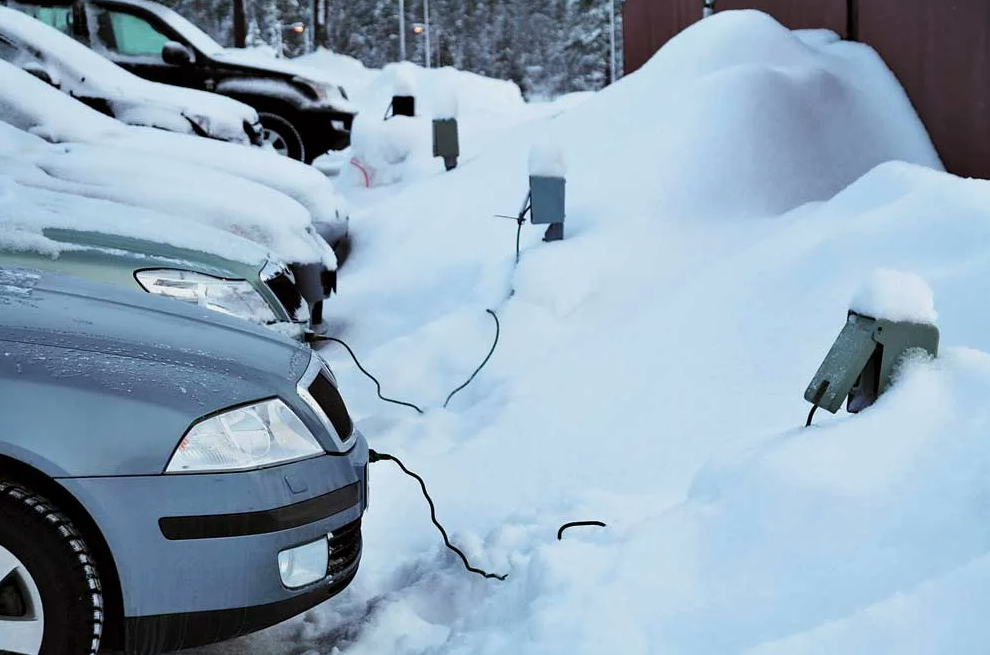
650	371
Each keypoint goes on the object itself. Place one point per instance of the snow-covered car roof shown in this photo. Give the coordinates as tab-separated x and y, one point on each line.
196	193
26	212
32	105
81	72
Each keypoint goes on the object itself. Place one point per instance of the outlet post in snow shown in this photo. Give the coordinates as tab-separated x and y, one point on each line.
890	316
547	188
446	142
403	93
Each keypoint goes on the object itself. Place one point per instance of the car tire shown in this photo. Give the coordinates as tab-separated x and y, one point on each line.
44	558
282	135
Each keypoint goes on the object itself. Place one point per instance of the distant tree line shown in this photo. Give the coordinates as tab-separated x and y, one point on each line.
548	47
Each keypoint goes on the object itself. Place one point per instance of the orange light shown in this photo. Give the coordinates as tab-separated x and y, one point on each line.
418	29
299	29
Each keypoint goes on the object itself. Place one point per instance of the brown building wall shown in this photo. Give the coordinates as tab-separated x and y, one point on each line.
648	24
938	49
797	14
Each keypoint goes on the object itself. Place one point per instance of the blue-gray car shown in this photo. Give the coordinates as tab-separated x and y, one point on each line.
169	476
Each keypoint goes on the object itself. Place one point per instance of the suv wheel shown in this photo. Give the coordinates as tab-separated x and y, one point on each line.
281	135
50	595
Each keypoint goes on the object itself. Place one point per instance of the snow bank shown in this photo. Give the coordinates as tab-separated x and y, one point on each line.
347	71
650	373
895	296
547	159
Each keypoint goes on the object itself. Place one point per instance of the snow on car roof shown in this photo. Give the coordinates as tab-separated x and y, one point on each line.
26	211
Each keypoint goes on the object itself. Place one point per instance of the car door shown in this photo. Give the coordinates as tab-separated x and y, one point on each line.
135	40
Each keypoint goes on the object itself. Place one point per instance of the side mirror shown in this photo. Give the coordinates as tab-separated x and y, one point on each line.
176	54
39	71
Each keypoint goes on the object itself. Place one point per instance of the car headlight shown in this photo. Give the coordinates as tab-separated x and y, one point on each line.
255	436
233	297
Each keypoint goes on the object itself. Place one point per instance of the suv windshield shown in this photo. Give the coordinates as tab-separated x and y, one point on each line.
59	17
195	36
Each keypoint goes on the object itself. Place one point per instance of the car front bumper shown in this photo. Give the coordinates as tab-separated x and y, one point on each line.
197	555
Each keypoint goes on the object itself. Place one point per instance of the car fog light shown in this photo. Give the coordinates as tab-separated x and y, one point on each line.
304	565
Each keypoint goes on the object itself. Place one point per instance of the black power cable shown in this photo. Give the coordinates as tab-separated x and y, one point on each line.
311	337
375	456
574	524
498	330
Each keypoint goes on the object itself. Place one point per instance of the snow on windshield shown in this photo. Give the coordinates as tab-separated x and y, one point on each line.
26	211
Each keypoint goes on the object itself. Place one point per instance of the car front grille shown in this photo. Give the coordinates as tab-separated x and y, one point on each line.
284	288
328	398
345	551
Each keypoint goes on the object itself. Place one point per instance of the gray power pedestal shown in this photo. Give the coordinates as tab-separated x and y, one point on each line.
862	361
547	197
446	142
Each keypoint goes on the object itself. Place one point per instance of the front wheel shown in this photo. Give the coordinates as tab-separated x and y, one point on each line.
50	596
282	136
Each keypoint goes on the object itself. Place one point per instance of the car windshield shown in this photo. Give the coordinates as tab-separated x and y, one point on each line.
195	36
64	53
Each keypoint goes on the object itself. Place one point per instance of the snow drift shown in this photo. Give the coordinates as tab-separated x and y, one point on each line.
725	204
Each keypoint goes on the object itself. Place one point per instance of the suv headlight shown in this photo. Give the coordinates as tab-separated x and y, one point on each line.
258	435
233	297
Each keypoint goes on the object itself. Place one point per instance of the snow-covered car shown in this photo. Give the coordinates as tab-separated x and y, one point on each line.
169	476
304	113
116	244
76	70
33	106
199	194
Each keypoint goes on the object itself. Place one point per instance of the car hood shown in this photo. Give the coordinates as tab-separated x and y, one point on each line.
72	314
128	372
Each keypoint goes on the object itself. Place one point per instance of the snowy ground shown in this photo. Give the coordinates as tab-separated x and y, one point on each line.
725	203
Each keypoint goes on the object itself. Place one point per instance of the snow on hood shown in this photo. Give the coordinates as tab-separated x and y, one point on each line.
207	196
26	211
650	373
31	105
81	72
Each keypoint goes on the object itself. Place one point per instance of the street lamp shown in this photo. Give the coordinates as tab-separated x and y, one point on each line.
611	44
296	28
402	30
426	19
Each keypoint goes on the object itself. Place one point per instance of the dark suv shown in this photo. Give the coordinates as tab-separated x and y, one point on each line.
302	113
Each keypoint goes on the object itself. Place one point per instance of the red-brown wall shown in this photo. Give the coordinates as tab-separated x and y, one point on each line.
648	24
938	49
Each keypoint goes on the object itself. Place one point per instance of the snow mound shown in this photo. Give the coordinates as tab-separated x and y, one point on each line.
896	296
474	94
547	159
745	115
650	373
347	71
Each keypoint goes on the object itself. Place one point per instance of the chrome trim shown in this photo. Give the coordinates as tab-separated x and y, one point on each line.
316	364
